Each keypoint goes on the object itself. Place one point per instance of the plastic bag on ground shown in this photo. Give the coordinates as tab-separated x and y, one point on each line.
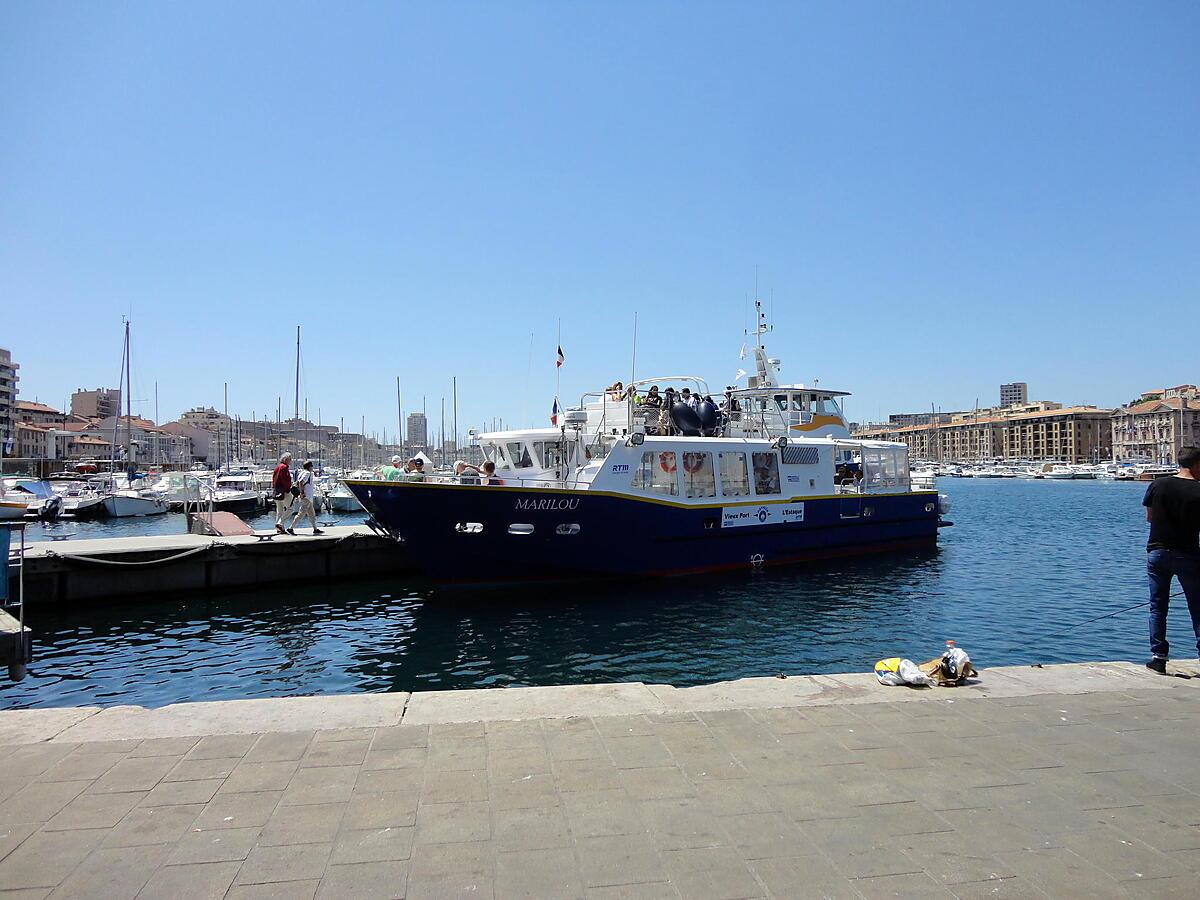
950	669
896	671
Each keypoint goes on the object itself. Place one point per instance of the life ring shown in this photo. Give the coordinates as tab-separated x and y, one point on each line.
692	462
666	461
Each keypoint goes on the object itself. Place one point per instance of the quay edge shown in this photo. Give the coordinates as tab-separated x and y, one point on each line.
375	710
112	569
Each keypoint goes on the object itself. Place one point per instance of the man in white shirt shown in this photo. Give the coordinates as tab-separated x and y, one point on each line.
308	487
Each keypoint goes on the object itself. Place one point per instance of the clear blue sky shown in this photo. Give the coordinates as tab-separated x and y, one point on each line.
942	196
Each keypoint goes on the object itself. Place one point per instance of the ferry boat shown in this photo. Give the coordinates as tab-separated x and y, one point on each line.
622	486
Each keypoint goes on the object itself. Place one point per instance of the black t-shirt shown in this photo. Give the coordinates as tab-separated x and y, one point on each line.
1174	514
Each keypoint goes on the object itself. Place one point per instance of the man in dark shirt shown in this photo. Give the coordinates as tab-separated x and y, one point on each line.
1173	511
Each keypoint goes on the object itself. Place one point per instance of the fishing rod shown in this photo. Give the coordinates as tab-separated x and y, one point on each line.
1062	631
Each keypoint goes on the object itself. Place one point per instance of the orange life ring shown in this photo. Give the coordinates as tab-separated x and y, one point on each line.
666	461
692	462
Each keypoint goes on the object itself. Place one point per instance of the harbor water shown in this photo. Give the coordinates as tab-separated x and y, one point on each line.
1026	559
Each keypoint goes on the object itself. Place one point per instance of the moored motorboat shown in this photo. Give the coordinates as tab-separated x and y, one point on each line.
124	504
237	492
622	487
341	499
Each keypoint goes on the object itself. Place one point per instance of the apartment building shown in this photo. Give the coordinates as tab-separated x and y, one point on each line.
99	403
1074	434
1016	392
8	401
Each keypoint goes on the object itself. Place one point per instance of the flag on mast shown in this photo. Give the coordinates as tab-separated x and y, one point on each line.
560	359
554	411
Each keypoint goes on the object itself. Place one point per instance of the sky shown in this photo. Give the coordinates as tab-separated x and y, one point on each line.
934	197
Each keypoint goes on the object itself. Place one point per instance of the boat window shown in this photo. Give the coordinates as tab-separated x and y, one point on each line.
885	468
656	472
520	528
518	456
766	473
567	529
553	455
735	480
699	480
827	406
469	527
781	401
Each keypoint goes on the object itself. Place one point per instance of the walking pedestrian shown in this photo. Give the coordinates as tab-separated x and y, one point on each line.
304	508
1173	551
281	489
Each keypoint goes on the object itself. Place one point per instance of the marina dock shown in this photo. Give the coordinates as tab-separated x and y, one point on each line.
86	571
1069	780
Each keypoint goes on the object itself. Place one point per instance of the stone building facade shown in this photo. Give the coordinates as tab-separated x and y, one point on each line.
1155	427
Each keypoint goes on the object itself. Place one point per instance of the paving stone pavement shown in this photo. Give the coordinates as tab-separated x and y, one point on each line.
1048	795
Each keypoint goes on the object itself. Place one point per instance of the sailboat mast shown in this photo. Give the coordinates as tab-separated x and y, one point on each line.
117	417
297	408
128	400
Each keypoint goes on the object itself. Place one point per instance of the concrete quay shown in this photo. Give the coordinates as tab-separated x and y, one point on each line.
88	571
1063	781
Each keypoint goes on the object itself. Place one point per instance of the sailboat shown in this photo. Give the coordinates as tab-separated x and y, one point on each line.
125	498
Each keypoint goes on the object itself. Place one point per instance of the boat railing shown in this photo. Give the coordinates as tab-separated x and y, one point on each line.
505	478
203	501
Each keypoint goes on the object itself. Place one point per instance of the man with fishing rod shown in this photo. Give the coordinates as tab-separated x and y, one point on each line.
1173	551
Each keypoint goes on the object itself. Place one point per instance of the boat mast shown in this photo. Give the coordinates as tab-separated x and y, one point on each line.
296	409
128	402
112	465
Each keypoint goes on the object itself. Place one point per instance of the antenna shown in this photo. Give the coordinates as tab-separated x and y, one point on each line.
633	369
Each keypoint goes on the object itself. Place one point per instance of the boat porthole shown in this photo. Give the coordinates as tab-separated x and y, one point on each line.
928	507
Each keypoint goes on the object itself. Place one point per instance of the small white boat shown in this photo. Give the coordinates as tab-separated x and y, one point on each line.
12	510
236	492
341	499
128	504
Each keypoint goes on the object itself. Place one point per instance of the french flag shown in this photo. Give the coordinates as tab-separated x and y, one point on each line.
561	359
554	412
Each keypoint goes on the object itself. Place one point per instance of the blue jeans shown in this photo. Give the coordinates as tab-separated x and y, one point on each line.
1161	565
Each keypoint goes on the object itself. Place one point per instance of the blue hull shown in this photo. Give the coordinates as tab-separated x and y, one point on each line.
588	534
